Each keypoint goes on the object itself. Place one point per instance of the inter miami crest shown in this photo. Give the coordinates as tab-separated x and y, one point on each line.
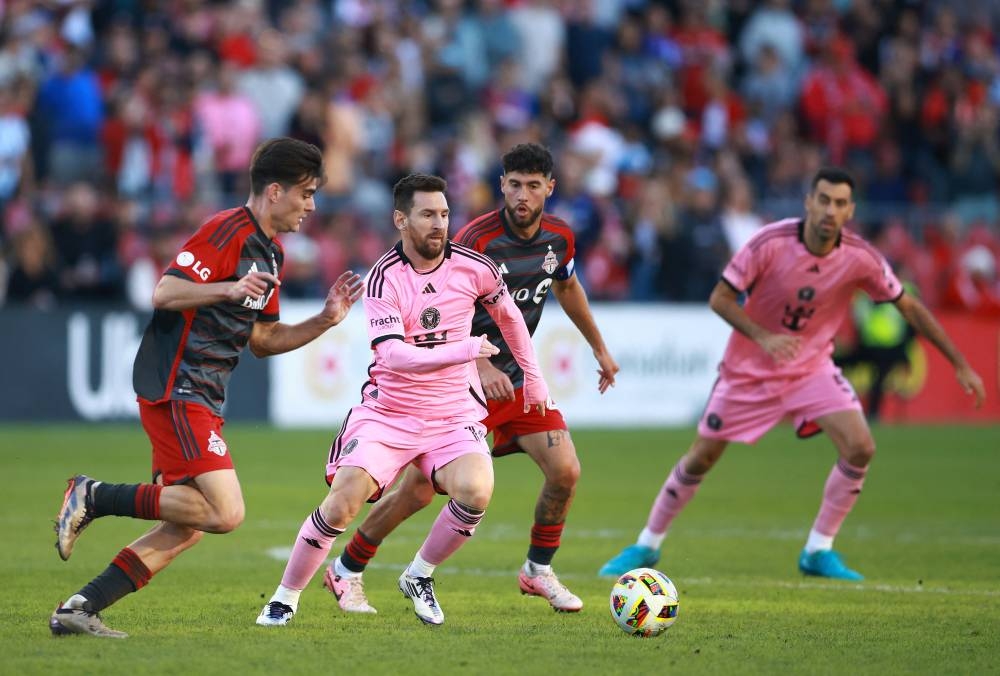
430	318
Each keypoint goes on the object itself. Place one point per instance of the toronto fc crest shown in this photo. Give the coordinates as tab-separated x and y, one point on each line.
551	262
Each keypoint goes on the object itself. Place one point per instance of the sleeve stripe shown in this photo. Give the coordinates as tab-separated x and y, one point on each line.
229	227
476	256
376	278
388	336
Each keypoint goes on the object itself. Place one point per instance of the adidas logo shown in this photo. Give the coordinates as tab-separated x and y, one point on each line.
814	268
462	531
429	288
503	269
312	542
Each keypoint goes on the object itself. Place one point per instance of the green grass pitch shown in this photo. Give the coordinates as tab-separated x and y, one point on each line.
926	533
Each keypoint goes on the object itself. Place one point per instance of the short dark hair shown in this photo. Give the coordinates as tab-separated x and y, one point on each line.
403	191
286	161
528	158
832	175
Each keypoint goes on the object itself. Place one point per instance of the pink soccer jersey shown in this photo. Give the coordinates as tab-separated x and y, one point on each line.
790	290
428	310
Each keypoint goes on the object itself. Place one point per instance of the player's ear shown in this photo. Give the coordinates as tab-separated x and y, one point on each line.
274	192
552	187
399	219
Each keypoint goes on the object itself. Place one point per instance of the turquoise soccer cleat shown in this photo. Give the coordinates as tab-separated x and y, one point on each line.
633	556
826	563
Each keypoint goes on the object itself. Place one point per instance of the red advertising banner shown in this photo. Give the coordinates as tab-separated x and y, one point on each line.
926	390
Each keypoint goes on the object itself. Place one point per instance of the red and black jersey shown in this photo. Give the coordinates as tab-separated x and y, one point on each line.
528	266
190	355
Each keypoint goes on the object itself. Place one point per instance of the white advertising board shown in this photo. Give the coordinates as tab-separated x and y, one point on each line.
668	356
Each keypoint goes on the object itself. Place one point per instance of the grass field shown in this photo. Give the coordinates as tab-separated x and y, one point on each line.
926	533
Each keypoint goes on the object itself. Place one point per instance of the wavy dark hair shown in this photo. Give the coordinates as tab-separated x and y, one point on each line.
286	161
528	158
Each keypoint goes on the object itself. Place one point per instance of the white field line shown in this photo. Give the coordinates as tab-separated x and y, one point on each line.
282	554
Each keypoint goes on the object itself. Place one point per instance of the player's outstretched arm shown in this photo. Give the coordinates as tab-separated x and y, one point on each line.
924	323
724	301
177	294
511	323
405	358
573	299
270	338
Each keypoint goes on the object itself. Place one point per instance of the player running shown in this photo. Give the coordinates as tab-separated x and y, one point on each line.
799	276
423	401
219	294
534	251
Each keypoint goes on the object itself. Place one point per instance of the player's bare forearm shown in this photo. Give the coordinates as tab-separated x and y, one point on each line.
174	293
724	301
573	299
271	338
924	323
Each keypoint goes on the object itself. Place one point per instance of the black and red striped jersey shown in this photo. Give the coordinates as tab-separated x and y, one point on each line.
190	355
529	266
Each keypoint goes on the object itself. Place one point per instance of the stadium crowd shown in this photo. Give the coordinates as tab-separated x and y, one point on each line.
679	128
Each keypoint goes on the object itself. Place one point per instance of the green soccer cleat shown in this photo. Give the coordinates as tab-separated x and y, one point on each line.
633	556
826	563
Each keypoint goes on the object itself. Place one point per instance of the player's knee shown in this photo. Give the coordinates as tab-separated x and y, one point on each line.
229	518
564	475
860	451
474	491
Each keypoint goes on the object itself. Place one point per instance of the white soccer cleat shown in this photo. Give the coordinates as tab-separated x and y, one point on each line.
275	614
420	590
349	592
78	620
548	586
75	514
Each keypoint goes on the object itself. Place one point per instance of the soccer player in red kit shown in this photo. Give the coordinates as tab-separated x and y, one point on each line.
799	276
535	252
218	295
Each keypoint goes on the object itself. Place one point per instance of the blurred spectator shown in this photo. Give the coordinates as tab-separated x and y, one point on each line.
145	271
15	143
701	222
86	246
70	111
32	277
231	128
272	86
843	105
773	26
739	220
974	285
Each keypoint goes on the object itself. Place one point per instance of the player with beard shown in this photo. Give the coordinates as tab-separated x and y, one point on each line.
534	251
423	402
799	275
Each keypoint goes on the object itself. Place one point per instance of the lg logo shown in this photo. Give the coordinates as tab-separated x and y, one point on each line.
186	259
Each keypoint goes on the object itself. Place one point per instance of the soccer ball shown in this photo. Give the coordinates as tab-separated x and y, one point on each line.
644	602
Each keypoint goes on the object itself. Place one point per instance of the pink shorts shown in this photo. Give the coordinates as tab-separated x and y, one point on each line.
744	410
383	444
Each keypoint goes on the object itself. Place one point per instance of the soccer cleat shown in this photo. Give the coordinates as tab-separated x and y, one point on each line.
548	586
76	513
826	563
349	592
67	621
275	614
420	590
633	556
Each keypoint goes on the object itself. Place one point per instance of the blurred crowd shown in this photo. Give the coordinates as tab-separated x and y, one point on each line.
679	128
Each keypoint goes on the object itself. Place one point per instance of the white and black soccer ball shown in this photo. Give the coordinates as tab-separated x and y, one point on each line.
644	602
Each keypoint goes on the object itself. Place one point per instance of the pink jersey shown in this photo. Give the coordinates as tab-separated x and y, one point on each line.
793	291
431	310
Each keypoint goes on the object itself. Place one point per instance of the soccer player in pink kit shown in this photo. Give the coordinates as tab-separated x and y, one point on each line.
799	276
423	401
